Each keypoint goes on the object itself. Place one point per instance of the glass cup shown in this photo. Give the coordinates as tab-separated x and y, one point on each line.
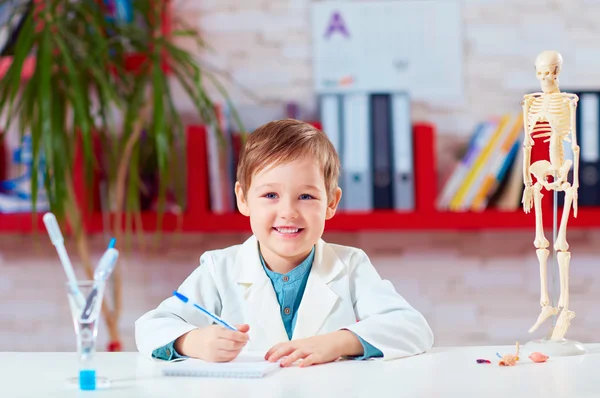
85	301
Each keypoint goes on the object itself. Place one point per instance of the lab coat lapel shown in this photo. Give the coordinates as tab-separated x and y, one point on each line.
259	295
318	299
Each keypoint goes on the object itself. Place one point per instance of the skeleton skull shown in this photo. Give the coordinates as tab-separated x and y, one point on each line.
547	66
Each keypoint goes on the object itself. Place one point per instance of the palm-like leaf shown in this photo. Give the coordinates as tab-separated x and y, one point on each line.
55	105
79	80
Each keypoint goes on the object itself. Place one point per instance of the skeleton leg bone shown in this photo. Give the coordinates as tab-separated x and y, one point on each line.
561	239
566	315
562	325
564	258
541	243
547	312
547	309
542	255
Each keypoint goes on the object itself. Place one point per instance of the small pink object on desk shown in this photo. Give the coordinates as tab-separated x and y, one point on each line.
538	357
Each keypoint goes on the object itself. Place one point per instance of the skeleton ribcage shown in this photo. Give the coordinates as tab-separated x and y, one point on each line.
550	117
550	110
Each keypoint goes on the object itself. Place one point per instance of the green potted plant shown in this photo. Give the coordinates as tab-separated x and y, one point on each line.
83	76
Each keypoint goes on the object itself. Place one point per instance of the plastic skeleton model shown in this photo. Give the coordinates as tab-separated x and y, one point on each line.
551	114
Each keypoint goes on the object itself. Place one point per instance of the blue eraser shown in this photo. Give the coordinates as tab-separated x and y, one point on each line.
87	380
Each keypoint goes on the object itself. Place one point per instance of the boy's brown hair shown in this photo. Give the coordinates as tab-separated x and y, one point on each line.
283	141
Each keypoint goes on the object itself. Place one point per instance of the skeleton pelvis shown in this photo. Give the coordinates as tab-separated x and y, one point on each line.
557	176
541	169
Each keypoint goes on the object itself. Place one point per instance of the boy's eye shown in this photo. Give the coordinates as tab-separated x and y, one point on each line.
271	195
305	196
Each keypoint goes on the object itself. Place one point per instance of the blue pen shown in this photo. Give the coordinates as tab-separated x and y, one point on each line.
216	318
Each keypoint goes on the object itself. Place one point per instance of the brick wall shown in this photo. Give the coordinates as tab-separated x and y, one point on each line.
265	47
473	288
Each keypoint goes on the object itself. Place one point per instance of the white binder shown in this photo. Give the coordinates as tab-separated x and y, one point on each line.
403	163
357	153
332	124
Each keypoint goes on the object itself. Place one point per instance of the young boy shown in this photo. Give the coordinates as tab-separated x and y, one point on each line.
287	291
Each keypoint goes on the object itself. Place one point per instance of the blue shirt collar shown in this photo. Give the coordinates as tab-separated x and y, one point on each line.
295	274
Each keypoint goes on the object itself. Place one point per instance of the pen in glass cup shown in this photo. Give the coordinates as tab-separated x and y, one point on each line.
58	241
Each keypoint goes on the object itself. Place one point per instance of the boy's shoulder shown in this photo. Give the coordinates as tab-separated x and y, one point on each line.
220	263
344	252
222	254
343	249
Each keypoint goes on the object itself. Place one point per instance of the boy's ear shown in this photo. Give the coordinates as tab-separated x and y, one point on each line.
241	199
333	203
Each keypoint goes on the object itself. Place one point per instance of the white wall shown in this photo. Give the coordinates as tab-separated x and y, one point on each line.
265	47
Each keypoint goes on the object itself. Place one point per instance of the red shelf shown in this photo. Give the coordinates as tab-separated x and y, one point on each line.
198	218
382	220
19	223
490	219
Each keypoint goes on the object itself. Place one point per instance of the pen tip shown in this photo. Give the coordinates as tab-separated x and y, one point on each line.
112	242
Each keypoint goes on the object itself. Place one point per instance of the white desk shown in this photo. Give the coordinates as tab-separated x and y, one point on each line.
442	372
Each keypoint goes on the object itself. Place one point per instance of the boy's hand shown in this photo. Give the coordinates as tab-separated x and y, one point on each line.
213	343
315	350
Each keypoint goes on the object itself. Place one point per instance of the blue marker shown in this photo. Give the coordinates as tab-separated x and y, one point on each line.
214	317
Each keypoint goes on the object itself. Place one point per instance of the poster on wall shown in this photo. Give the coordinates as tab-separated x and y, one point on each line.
411	46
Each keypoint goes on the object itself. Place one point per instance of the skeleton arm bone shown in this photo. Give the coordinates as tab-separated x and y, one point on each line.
575	148
527	127
527	143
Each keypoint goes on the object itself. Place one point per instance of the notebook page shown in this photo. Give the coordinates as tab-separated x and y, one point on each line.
246	365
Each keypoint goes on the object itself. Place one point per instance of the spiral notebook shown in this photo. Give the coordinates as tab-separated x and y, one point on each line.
246	365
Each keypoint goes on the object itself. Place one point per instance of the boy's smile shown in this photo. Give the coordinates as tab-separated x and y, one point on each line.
287	205
288	231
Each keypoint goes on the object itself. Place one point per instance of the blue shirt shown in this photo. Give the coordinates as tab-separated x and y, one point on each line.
289	289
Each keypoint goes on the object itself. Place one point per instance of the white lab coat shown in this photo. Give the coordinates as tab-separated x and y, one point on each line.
343	287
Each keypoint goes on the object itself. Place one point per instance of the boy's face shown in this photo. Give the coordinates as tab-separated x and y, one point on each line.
288	205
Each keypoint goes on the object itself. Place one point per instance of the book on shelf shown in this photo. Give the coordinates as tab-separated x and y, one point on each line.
480	179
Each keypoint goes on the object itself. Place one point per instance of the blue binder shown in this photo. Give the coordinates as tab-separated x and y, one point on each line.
588	139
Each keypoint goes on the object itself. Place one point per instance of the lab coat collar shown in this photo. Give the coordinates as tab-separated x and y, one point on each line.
317	302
